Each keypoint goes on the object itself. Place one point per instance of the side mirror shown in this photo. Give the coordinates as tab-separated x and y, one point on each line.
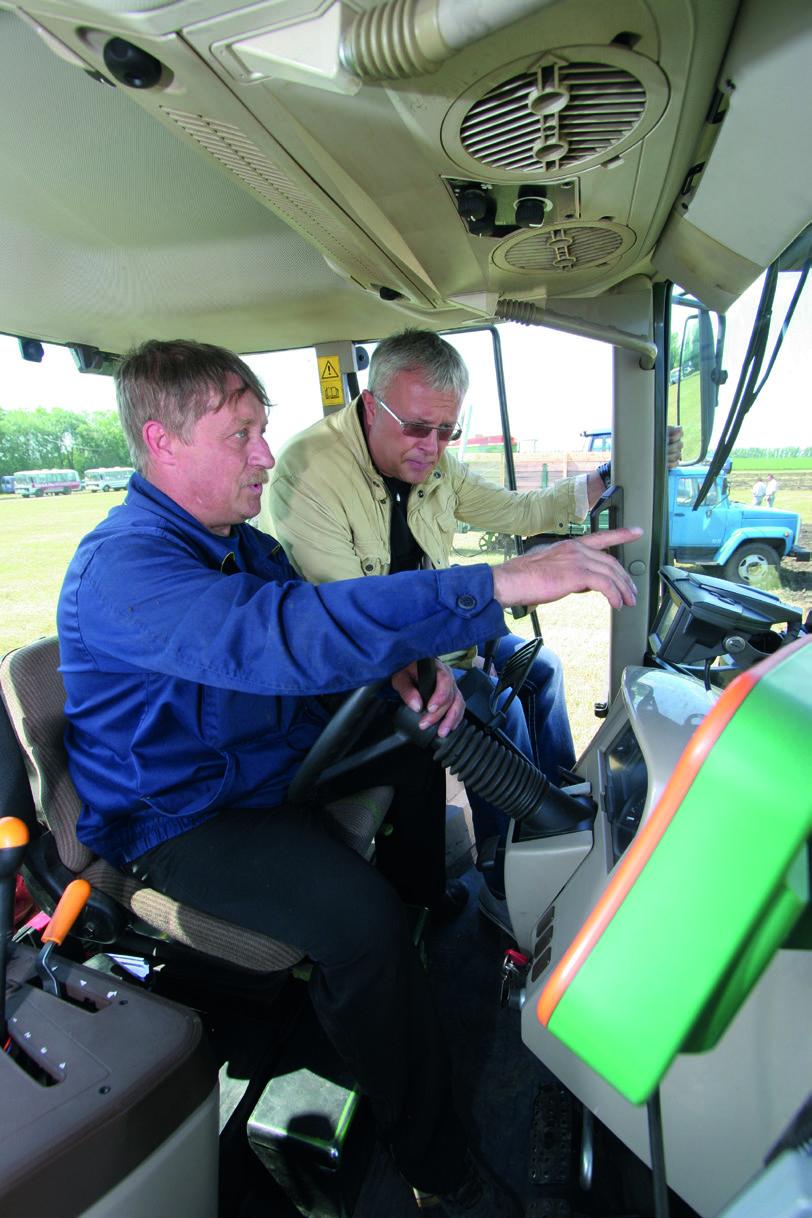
694	373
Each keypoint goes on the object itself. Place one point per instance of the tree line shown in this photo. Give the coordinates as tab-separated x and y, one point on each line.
60	439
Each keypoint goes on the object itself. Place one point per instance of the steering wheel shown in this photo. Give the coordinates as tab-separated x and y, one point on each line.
328	757
356	713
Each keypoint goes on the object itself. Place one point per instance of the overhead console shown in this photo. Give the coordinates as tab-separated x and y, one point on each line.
434	162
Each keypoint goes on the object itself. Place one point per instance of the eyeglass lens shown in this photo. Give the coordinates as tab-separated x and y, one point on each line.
419	431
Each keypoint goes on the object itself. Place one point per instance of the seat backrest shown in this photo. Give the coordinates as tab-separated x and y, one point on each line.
34	696
15	791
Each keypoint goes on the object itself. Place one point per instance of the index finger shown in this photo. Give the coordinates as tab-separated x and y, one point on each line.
610	537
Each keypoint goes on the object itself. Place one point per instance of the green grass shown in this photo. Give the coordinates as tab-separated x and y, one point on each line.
38	538
689	414
577	630
794	490
767	464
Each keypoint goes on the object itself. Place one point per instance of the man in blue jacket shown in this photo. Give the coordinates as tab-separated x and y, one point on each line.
192	657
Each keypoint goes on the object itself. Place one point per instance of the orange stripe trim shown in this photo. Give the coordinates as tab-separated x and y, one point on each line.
646	840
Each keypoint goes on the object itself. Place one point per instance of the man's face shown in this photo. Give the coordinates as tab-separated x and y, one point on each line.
412	400
218	475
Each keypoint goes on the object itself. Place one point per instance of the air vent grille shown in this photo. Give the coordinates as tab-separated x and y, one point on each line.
295	205
569	248
555	118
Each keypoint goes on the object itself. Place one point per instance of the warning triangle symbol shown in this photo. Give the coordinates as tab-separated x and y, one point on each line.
329	372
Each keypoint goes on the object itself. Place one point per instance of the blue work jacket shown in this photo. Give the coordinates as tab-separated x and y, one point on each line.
192	663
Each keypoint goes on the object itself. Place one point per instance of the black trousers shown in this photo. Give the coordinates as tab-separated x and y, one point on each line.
281	871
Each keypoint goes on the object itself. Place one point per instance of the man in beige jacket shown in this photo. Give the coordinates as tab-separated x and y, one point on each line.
373	490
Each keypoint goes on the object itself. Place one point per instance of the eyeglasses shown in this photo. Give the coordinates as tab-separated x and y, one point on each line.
419	431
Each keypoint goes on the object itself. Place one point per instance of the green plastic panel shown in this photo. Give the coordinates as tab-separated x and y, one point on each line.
719	895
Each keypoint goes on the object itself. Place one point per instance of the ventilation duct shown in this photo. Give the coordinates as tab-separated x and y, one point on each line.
562	249
570	110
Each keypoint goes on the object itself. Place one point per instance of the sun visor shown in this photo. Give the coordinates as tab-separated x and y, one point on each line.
738	210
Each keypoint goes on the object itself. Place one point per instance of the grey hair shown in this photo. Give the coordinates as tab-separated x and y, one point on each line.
441	365
174	383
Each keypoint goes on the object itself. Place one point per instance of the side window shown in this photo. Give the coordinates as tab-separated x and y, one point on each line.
559	395
292	384
686	490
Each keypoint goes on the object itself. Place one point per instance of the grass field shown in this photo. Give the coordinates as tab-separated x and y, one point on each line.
37	541
38	538
794	488
577	630
774	464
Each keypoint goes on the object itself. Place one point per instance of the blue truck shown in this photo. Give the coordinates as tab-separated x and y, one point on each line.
746	542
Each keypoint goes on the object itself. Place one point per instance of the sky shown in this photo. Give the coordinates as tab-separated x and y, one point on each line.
558	385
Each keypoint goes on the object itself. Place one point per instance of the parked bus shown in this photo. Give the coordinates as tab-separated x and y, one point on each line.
34	483
111	478
593	202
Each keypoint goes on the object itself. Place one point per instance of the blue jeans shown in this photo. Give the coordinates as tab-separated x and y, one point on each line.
538	725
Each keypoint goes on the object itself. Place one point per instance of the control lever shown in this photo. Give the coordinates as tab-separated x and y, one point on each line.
513	676
426	679
514	971
71	904
13	841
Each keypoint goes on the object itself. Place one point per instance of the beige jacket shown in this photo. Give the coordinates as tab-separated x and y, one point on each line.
330	508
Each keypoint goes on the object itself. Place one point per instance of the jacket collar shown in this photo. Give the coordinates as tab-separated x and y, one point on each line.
144	496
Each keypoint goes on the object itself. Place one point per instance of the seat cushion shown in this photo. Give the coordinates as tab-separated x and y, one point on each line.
357	818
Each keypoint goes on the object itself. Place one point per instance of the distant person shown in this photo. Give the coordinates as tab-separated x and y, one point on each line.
771	488
759	491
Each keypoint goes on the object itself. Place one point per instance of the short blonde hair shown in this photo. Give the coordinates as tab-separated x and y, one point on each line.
174	382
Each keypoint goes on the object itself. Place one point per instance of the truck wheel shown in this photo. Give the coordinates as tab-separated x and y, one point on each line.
751	563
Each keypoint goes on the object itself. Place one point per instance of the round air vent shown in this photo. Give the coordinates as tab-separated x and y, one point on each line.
564	112
563	248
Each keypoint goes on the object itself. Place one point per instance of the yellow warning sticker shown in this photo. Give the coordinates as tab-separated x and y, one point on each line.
332	389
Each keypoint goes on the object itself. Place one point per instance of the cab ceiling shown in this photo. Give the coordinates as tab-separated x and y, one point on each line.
250	198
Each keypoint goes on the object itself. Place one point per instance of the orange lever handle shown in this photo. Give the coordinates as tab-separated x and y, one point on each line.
13	833
71	904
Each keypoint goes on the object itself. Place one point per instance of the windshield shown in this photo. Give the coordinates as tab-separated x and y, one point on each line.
771	460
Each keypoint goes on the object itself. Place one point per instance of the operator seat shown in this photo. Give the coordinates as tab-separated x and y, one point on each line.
33	698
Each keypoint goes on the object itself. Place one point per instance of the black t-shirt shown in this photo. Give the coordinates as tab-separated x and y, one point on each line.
406	554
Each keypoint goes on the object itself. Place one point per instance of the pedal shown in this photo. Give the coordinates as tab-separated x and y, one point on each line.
551	1138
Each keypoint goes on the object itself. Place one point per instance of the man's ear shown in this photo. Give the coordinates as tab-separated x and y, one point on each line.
160	443
370	406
